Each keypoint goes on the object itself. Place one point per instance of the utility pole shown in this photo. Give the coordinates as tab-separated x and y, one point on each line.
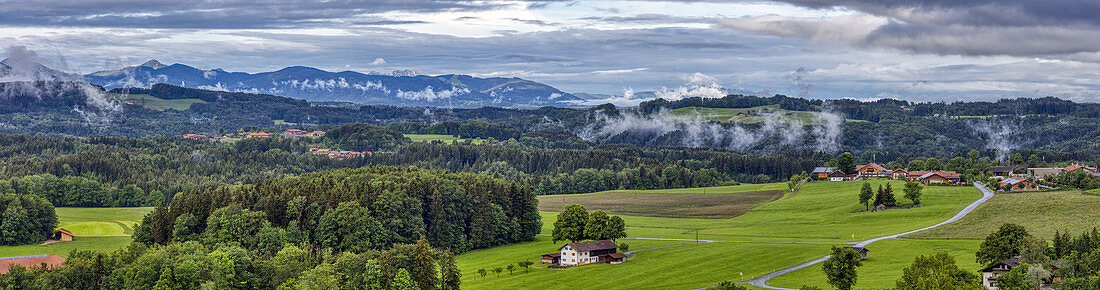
696	235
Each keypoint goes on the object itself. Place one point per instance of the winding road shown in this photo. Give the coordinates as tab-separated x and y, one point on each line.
762	281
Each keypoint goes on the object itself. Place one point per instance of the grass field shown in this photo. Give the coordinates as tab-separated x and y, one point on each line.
1042	213
682	267
443	138
95	229
819	212
714	202
161	104
885	262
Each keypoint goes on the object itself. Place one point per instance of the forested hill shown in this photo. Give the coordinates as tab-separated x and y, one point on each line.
1052	128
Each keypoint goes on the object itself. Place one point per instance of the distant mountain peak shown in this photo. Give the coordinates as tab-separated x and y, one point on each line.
153	63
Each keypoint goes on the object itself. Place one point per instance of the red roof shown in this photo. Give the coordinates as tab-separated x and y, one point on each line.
872	165
64	231
51	261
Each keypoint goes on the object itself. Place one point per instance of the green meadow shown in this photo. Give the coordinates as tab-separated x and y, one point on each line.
886	260
821	212
1041	212
95	229
688	266
443	138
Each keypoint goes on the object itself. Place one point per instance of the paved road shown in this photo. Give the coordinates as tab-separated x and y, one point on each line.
762	281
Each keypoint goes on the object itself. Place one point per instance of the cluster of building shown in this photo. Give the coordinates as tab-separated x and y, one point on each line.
864	171
291	133
583	253
339	154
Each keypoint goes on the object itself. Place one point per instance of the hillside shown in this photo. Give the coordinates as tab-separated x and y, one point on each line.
311	84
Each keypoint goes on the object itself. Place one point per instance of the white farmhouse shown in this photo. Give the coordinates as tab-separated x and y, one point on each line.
582	253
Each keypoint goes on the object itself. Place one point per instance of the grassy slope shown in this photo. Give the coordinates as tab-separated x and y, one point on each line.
885	263
95	229
683	267
821	211
1042	213
444	138
161	104
714	202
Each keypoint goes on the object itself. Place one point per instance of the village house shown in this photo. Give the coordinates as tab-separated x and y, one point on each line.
255	134
899	174
195	136
42	261
871	170
293	133
583	253
838	176
1017	184
915	175
940	177
1052	171
315	134
991	273
823	172
63	235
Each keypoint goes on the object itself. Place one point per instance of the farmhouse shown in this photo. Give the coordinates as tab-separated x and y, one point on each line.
293	133
823	172
991	273
899	174
1076	167
63	235
255	134
1017	184
583	253
838	176
940	177
43	261
1043	172
871	170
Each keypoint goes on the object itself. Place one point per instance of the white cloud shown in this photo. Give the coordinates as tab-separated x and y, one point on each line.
378	61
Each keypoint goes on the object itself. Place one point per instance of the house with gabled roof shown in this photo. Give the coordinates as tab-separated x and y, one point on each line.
40	261
591	252
940	177
823	172
838	175
1017	184
871	170
994	271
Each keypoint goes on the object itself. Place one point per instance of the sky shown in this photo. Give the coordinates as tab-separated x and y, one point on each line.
919	50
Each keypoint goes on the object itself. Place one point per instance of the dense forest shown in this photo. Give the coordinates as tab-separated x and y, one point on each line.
1055	129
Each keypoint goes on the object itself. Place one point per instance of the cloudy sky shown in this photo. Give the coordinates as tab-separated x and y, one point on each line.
917	50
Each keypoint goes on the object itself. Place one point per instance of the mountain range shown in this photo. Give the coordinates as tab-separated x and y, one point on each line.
402	88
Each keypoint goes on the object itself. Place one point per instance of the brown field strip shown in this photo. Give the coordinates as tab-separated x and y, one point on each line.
657	203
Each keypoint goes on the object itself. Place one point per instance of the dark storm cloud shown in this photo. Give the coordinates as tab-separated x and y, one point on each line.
209	14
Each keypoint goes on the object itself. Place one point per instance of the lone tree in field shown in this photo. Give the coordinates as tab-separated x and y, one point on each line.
865	195
497	271
511	268
840	269
912	191
482	272
1001	245
570	224
937	271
